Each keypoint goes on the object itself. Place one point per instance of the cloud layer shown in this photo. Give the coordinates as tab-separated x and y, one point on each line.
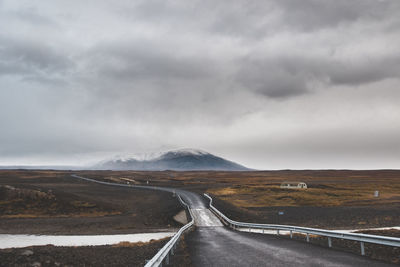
272	84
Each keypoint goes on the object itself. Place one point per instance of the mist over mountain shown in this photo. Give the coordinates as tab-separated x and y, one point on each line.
179	160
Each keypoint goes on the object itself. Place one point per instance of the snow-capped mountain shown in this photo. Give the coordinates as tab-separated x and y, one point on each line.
180	160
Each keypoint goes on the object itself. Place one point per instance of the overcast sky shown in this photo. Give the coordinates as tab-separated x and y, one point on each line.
269	84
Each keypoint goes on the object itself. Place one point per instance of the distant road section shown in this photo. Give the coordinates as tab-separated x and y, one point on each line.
204	217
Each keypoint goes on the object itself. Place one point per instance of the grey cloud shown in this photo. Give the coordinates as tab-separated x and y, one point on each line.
239	19
365	71
244	19
270	79
32	16
316	14
138	60
256	20
287	76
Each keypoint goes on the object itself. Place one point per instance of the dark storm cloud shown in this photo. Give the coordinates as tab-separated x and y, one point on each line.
269	79
286	76
135	75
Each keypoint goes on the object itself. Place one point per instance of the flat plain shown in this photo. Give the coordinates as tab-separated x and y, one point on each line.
53	202
334	199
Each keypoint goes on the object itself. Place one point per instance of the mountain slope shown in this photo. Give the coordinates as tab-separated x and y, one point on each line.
179	160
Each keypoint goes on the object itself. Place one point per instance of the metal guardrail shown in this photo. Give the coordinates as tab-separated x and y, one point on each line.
168	249
123	185
362	238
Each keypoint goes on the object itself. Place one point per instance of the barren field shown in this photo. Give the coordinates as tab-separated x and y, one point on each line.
52	202
335	199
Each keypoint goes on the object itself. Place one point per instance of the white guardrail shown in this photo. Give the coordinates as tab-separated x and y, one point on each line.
167	250
362	238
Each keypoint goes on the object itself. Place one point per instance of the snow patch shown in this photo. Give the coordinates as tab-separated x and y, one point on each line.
189	151
155	155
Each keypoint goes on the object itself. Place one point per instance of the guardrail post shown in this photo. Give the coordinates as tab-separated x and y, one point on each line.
167	259
308	237
277	232
329	242
291	234
362	249
249	230
263	230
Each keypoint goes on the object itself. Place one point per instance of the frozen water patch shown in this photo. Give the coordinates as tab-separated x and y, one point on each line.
19	241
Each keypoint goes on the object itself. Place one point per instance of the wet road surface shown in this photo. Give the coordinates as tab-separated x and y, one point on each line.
220	246
204	217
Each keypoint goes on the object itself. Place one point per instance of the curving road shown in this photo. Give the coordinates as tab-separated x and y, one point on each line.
212	244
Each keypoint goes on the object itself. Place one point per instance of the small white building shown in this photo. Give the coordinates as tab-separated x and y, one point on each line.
294	185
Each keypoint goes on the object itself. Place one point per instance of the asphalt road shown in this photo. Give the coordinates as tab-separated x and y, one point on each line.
212	244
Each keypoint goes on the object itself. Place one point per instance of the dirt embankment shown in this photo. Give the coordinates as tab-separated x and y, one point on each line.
124	254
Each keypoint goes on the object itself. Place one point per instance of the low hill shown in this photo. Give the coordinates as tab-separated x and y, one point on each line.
179	160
